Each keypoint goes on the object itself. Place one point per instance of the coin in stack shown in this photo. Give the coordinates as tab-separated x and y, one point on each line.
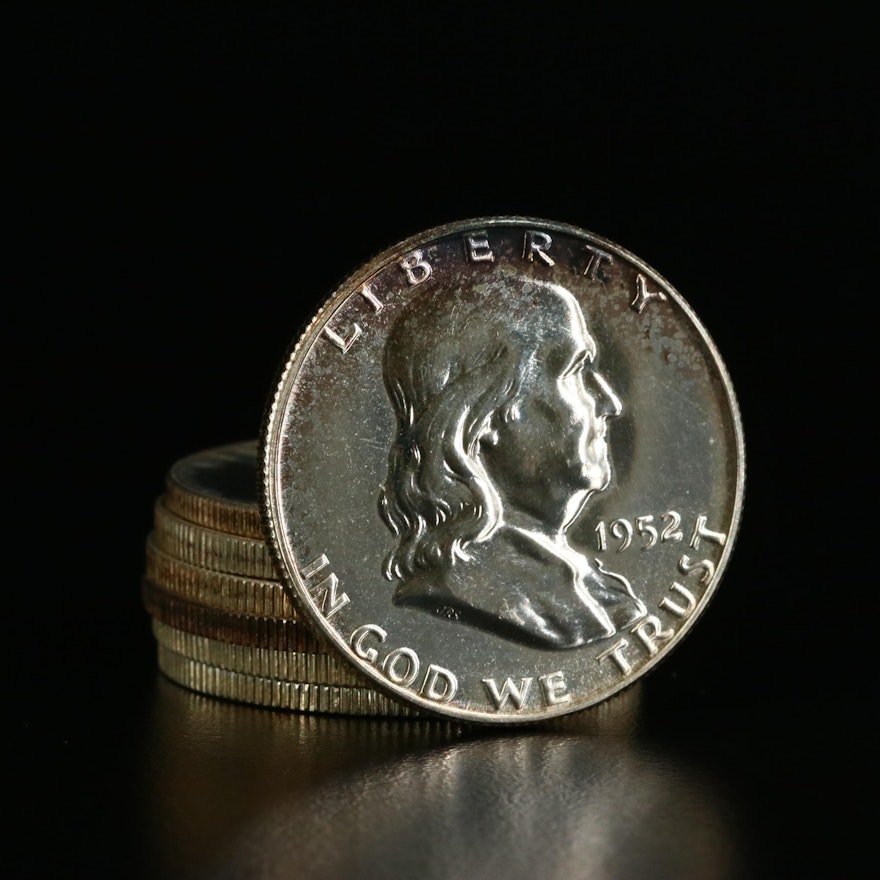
216	488
518	453
316	667
278	693
210	548
274	633
220	620
261	597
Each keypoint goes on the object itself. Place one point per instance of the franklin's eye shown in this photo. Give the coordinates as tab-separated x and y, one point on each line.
578	365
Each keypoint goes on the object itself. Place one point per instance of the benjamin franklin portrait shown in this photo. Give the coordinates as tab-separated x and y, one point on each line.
501	422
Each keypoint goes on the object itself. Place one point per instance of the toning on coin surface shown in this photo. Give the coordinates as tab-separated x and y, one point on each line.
503	469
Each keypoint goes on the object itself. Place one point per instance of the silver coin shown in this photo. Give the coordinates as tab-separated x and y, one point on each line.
503	469
217	488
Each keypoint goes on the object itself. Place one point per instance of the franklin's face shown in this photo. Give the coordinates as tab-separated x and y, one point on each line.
551	453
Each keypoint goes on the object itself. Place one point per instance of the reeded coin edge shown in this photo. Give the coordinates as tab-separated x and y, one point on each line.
213	514
303	667
281	634
222	590
212	511
327	699
209	548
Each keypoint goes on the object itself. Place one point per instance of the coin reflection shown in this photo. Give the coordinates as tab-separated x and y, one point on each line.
239	791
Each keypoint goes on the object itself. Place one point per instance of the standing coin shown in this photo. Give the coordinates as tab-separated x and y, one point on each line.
503	469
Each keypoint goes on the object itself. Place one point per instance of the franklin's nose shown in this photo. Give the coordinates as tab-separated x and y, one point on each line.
607	402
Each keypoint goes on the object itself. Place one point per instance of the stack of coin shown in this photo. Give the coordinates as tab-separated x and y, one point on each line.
223	623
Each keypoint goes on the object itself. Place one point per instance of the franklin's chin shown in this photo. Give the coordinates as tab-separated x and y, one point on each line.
596	471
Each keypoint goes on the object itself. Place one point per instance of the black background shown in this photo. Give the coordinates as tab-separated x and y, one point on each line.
189	182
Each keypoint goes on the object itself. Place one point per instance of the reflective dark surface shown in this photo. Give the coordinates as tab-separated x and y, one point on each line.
189	182
681	776
338	796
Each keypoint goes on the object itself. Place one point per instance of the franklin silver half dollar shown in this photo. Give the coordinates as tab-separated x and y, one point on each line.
503	469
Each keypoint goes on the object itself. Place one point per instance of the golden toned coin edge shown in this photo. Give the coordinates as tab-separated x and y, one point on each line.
261	597
299	666
277	694
212	512
276	633
209	548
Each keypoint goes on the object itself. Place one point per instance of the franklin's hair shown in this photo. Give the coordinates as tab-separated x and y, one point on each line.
453	360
